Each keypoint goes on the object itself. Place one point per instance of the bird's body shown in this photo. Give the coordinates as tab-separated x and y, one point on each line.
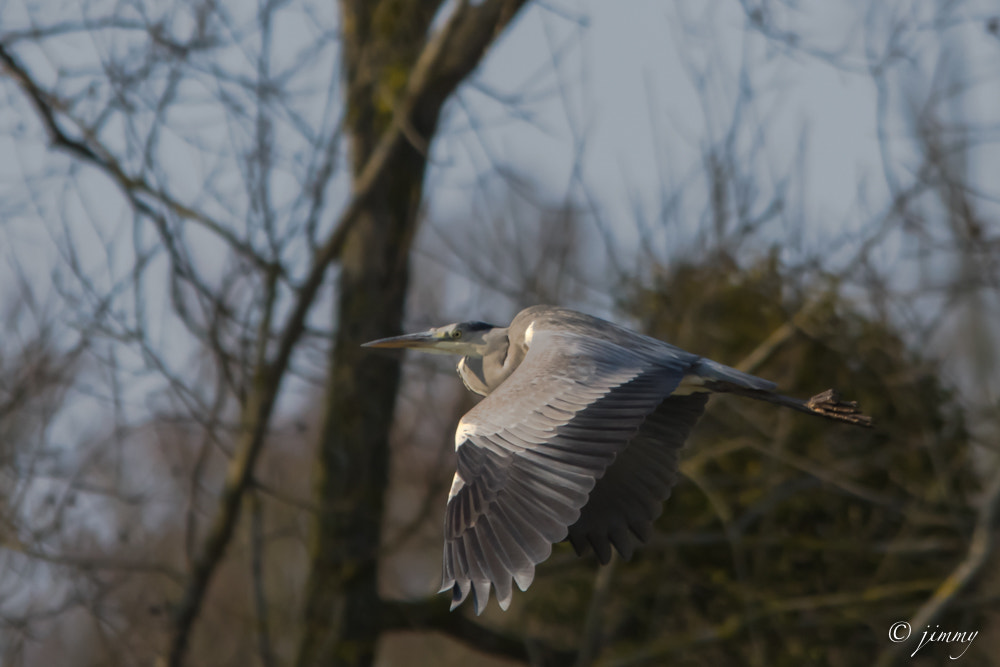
577	438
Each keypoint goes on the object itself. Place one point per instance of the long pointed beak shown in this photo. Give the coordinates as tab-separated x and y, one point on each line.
425	339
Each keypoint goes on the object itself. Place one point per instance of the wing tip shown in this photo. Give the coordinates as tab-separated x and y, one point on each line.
524	577
480	595
480	591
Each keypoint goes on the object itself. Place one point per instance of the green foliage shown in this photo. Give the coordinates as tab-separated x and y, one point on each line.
790	539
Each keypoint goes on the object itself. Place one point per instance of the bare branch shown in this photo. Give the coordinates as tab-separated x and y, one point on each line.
981	547
448	57
435	615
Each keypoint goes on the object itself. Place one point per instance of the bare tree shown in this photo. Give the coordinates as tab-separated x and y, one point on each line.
205	209
383	48
277	251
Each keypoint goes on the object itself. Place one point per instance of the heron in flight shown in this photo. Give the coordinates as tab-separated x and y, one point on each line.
577	437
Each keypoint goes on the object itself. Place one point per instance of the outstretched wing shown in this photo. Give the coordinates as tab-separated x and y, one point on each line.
530	453
629	497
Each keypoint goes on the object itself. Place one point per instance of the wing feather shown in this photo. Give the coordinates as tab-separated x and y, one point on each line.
537	448
629	497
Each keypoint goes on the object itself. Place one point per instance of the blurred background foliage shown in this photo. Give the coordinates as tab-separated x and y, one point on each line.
788	540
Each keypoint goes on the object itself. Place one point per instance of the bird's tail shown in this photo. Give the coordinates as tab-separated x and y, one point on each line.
825	404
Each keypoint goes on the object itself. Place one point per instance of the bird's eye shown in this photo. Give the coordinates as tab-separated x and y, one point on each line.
457	333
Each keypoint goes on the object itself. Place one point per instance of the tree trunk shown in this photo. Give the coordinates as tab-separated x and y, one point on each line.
395	73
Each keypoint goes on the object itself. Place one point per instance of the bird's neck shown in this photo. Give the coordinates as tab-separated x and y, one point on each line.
470	369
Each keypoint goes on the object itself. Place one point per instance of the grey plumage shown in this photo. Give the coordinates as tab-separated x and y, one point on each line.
577	438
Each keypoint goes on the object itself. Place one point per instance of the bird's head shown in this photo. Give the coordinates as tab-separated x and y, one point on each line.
463	338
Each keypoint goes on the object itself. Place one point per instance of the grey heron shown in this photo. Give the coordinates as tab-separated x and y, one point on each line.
577	437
